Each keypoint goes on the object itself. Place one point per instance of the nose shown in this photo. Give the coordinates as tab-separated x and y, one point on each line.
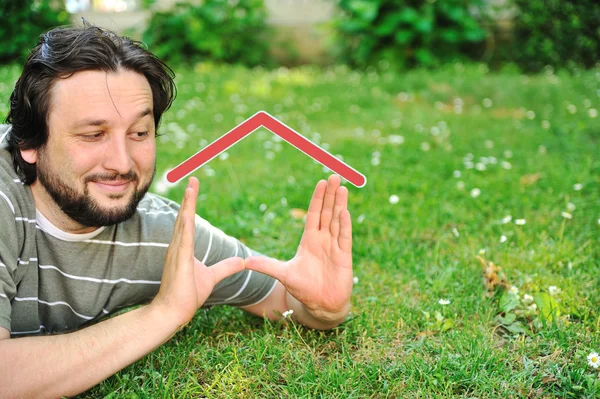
117	156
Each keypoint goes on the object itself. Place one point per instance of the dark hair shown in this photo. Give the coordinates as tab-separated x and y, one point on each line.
59	54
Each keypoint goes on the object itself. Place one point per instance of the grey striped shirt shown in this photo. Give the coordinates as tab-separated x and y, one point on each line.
52	281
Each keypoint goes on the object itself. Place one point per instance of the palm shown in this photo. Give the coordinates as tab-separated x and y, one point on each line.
320	274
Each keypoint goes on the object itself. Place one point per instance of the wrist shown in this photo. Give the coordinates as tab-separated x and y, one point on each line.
316	318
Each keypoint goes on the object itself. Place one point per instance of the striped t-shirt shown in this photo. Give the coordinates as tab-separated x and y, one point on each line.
52	281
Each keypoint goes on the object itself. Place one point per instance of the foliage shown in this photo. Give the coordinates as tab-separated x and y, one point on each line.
215	30
407	32
555	32
23	22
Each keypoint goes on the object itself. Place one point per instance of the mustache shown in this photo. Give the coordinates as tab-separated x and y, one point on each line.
129	176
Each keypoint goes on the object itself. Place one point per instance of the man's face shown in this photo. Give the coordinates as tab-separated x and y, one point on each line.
99	160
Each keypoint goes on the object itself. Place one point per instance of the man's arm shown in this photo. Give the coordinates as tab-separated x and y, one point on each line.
280	301
65	365
317	283
58	365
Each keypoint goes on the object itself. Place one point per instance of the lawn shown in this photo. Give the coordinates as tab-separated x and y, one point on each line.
475	238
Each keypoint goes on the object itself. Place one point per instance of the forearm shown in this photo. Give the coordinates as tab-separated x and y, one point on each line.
280	301
65	365
318	320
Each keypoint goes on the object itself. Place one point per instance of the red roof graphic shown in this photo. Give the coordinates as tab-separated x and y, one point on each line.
277	127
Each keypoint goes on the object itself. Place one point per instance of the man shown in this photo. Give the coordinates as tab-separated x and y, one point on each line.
82	239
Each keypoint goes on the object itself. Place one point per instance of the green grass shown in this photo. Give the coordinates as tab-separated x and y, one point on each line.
399	341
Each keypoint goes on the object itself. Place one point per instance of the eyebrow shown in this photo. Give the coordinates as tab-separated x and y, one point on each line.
102	122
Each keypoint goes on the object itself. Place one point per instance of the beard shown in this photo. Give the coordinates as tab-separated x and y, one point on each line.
81	206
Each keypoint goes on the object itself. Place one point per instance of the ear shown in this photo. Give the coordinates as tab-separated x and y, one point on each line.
30	156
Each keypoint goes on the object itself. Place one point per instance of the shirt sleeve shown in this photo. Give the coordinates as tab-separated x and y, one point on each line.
245	288
8	256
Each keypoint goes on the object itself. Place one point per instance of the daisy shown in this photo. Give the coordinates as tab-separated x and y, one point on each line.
520	222
577	186
527	299
513	290
444	301
475	193
355	280
566	215
503	239
394	199
553	290
287	313
571	207
506	219
593	360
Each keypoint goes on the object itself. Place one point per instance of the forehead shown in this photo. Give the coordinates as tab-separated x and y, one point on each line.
111	96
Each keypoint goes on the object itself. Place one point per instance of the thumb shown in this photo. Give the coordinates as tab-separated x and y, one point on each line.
269	266
226	268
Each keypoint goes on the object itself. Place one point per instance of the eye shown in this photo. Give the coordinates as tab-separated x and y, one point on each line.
140	135
93	137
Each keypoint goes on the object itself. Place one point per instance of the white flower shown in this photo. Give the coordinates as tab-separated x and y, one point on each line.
375	161
469	164
571	108
480	166
444	301
506	219
394	199
593	112
262	207
488	144
456	173
395	139
487	102
508	154
577	186
425	146
224	156
545	125
530	114
505	165
513	290
355	280
566	215
455	232
520	222
532	308
482	251
593	360
527	299
287	313
571	207
503	239
460	185
360	218
475	193
553	290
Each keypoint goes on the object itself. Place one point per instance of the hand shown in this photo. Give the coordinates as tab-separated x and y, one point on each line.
186	283
320	274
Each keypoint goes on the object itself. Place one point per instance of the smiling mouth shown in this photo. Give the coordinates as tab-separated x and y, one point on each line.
115	186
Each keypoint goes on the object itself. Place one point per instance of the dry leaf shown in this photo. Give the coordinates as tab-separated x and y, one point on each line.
297	213
531	179
492	276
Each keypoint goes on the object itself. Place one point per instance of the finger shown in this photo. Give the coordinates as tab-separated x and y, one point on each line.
345	239
185	253
313	217
341	203
269	266
186	194
326	213
226	268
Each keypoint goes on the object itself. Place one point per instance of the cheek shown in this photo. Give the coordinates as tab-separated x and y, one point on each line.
145	156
